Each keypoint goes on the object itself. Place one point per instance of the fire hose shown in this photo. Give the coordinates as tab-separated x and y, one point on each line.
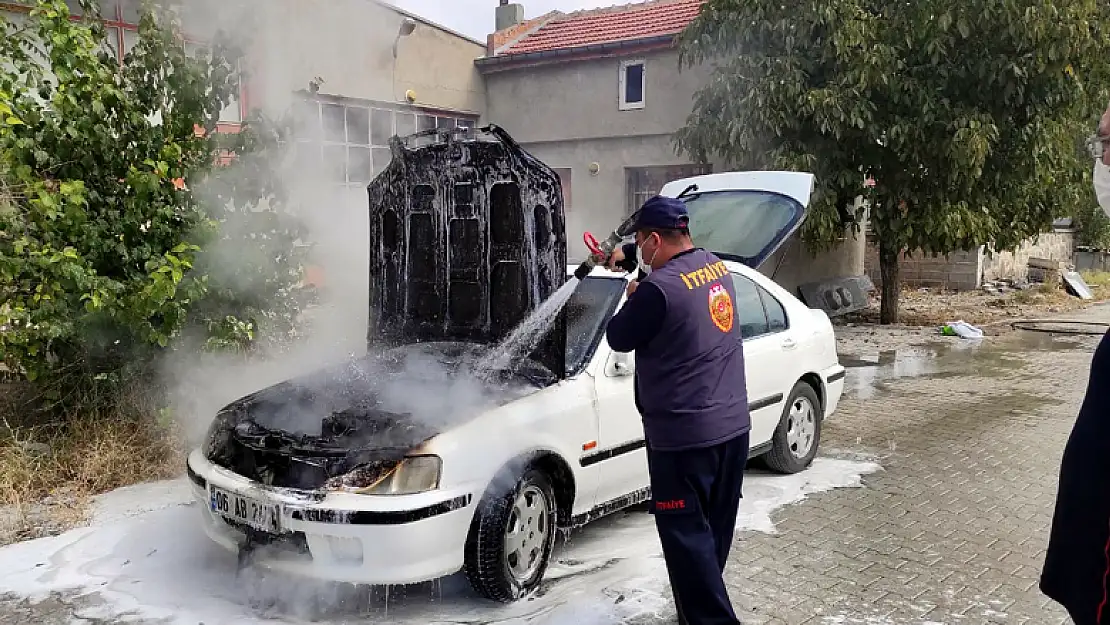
1062	326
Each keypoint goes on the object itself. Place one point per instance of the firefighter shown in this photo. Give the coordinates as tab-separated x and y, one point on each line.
1077	565
680	320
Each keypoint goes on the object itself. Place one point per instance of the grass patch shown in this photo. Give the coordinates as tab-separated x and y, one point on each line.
1097	279
49	470
1044	293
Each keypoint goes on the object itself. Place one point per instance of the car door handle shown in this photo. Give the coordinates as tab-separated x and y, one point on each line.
788	344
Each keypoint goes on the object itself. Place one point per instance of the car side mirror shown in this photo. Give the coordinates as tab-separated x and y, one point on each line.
620	365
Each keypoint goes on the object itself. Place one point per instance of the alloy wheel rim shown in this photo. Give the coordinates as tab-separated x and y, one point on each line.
526	533
801	427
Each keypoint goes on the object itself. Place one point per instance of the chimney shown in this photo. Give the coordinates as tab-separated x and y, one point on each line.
509	15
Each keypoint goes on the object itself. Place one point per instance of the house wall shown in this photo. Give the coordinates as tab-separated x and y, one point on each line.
795	264
567	115
578	100
348	43
598	202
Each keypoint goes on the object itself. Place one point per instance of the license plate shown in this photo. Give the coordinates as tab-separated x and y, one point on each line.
261	516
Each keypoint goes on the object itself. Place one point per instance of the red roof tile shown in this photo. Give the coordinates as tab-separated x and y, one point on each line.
507	36
620	23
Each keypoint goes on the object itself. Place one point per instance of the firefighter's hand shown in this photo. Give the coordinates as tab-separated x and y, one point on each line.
632	284
616	257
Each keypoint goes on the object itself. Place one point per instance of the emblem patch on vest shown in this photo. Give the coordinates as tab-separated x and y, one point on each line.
720	308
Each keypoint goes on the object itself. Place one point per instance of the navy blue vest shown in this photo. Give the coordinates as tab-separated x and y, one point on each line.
690	383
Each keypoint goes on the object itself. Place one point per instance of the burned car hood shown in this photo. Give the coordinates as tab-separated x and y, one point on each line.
302	432
467	237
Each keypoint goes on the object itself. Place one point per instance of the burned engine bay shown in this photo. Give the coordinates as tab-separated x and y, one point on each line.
467	238
365	414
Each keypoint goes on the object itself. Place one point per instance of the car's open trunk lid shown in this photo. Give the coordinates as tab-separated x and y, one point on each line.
744	216
467	237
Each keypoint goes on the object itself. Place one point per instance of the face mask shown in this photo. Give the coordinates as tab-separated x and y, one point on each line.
1102	186
644	265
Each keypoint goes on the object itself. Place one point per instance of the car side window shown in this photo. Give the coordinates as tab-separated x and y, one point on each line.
776	314
749	308
588	311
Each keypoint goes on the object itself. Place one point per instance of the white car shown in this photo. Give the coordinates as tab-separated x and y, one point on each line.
397	468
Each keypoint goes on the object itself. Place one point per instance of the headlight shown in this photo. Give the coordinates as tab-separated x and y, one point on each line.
216	439
416	474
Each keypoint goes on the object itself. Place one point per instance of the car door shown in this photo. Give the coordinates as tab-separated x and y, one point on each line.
615	451
769	350
621	451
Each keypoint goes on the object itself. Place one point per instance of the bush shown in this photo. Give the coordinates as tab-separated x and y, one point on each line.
113	208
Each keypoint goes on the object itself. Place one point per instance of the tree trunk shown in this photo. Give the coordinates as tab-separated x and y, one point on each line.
892	286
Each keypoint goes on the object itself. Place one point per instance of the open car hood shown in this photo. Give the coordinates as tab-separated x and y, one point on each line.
467	237
744	216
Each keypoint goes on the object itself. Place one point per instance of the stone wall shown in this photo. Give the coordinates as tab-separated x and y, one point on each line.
968	269
1014	265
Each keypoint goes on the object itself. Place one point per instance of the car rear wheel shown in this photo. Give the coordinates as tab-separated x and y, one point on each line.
511	538
799	432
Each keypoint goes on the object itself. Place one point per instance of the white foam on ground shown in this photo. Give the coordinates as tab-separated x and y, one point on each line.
145	555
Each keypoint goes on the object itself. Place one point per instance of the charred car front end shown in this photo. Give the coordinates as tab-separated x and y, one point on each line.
337	474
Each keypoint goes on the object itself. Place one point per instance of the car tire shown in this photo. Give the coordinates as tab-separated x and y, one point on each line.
511	538
798	434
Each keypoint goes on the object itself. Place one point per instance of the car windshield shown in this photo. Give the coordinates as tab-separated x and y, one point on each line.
588	311
740	225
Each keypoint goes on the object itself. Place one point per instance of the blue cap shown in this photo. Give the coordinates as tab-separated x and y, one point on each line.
663	212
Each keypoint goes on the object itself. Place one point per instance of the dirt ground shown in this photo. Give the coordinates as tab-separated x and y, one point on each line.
934	307
924	311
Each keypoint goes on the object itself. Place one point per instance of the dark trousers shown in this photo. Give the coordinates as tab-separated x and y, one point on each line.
695	496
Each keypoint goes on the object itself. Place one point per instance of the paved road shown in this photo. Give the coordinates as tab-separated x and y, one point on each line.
954	529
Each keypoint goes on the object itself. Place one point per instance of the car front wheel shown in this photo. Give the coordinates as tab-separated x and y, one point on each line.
511	538
798	433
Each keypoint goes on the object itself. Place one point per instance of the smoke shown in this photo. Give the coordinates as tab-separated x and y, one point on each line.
346	43
343	47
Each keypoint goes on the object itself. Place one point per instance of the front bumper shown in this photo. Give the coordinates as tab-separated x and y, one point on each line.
833	377
343	537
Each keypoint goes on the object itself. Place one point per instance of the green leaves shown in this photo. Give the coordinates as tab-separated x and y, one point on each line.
105	258
965	112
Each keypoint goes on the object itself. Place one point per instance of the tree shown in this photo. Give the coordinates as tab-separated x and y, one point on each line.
112	203
967	113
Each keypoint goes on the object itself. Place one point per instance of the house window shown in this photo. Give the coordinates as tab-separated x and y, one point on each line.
632	83
355	136
646	182
122	18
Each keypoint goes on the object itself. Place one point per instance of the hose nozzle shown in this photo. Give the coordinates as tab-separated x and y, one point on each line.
601	251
